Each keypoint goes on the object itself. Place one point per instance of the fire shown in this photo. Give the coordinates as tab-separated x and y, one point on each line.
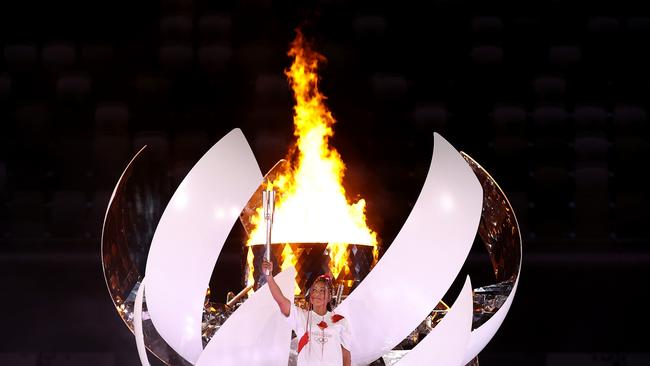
311	206
288	260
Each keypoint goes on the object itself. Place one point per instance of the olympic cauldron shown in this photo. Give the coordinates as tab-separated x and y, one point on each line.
346	263
140	196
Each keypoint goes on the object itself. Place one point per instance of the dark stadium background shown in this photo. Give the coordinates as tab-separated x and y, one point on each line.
551	97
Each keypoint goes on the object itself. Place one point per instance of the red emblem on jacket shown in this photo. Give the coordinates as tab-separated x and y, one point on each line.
303	341
322	325
336	318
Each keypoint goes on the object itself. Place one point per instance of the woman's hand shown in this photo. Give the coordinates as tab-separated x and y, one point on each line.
267	267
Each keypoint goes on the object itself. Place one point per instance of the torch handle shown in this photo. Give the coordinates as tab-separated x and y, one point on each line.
268	204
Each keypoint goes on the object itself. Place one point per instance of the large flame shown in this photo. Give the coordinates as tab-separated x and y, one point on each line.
312	206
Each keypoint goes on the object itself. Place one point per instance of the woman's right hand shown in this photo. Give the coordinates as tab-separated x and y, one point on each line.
267	267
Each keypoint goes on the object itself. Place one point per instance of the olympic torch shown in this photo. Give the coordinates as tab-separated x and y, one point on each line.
268	203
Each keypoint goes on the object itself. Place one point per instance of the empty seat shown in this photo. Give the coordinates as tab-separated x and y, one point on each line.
487	55
82	358
549	87
590	120
601	24
71	158
265	117
176	57
592	202
5	86
68	214
33	124
629	120
368	27
638	24
28	213
29	169
551	190
272	88
112	118
431	117
252	57
151	87
509	120
21	57
176	28
487	24
75	87
630	156
592	151
511	147
177	6
551	121
214	58
389	87
3	177
96	57
19	359
552	151
631	215
59	56
564	55
215	27
253	6
630	150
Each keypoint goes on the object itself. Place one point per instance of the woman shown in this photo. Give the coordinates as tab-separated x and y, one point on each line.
323	336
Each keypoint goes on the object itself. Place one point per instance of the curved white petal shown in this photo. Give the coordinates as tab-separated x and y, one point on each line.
445	345
189	238
483	334
422	262
137	325
256	334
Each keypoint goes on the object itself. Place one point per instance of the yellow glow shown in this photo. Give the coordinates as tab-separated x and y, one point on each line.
311	205
288	260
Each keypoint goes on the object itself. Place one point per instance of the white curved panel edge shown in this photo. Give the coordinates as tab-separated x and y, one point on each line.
189	238
482	335
445	345
256	334
137	325
110	200
434	241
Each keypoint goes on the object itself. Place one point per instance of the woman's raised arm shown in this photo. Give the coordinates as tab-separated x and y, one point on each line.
283	302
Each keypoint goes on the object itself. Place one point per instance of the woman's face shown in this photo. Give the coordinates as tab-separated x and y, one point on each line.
319	295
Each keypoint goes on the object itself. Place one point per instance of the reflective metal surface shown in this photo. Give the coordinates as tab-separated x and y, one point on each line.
498	227
136	205
499	231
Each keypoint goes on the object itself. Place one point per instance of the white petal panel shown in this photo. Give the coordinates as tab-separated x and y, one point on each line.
256	334
137	325
189	238
446	344
482	335
421	263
